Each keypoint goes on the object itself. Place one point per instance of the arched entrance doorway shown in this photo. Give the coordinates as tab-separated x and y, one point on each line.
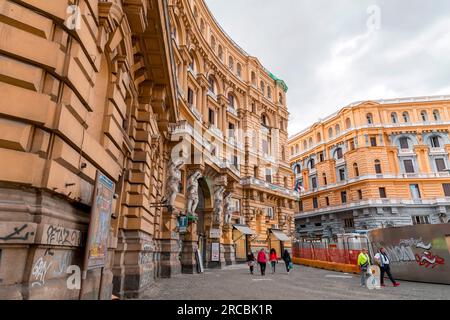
204	211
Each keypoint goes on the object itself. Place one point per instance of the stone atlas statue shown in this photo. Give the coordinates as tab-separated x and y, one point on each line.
173	181
192	193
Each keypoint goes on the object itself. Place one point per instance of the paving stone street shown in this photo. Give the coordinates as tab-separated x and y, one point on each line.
303	283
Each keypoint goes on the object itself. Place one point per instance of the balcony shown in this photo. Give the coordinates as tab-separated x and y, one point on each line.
270	186
437	151
268	158
232	110
212	95
406	152
216	131
196	113
192	72
340	162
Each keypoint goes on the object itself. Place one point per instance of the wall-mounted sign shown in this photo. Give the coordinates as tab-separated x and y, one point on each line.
214	233
97	242
215	251
182	224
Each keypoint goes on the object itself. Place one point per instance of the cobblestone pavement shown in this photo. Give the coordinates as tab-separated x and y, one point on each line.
303	283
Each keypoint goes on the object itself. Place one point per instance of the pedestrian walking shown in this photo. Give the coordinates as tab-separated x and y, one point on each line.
273	259
251	261
262	260
383	262
363	263
287	260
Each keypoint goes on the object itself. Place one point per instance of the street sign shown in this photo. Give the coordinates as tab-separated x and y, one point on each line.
182	224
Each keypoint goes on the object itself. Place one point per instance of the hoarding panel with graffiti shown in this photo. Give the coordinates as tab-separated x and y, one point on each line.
417	253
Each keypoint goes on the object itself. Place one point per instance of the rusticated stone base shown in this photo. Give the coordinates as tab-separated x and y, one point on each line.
168	260
188	259
132	278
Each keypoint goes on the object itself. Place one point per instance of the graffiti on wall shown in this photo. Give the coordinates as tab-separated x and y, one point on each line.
17	232
61	236
49	265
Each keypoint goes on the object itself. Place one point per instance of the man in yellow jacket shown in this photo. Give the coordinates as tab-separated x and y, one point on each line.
364	264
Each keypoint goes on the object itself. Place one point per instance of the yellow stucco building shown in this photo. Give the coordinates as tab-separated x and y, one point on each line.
155	96
373	164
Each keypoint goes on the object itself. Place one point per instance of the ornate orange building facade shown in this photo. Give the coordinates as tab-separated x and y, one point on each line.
154	95
373	164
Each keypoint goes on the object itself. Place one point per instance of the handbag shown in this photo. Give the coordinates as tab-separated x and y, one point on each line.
291	265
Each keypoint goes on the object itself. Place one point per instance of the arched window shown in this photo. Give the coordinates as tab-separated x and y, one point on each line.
230	63
253	78
269	92
202	26
239	70
311	164
405	117
213	43
377	166
305	145
310	142
348	123
297	170
324	177
231	100
394	118
330	133
424	115
404	143
192	65
292	151
297	148
262	86
264	120
338	154
356	169
220	52
436	115
337	129
369	118
435	141
319	137
212	84
280	98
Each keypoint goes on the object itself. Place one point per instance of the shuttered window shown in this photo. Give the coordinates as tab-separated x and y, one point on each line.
446	187
404	143
440	165
409	166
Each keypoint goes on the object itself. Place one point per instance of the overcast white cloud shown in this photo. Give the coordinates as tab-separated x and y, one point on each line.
329	57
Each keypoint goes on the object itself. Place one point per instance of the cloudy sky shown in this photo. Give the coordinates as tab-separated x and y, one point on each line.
332	53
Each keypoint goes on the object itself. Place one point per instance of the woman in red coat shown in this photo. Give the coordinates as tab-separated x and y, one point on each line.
262	260
273	259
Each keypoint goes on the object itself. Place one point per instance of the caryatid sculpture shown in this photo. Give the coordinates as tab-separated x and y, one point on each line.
218	204
173	181
227	207
192	193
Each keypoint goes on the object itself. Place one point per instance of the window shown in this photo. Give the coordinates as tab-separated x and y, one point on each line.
255	171
253	107
318	137
436	115
338	153
424	116
415	191
235	161
297	148
269	175
440	165
321	157
373	141
405	117
349	223
446	187
382	193
310	142
330	133
314	182
239	70
269	92
298	170
342	174
356	169
253	78
230	63
378	167
435	143
324	176
211	117
213	43
360	195
311	164
394	118
231	129
220	52
280	98
338	129
369	118
300	206
409	166
264	121
212	84
262	87
231	100
315	203
348	123
351	144
318	224
190	97
404	143
327	201
344	196
421	220
305	145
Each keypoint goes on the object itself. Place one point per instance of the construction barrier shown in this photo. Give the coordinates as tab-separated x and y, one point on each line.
333	266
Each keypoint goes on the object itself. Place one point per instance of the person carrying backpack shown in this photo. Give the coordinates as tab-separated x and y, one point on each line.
287	260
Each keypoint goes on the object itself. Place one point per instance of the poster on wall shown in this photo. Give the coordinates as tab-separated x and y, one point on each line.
215	251
99	226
